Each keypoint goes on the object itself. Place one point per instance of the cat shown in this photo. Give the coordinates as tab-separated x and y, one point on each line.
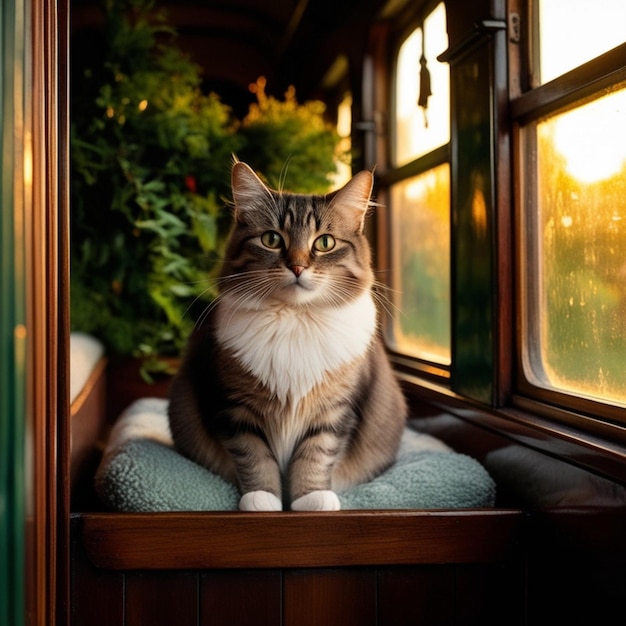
285	388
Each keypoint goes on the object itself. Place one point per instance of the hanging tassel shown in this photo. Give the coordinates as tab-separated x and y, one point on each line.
425	90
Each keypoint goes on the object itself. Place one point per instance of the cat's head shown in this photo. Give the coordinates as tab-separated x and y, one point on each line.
297	249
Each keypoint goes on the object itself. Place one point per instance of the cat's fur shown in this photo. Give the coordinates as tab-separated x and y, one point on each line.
285	388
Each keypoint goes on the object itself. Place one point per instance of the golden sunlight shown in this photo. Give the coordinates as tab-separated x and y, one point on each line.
420	130
575	31
590	138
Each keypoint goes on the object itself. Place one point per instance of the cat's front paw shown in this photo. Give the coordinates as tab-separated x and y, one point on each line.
260	501
323	500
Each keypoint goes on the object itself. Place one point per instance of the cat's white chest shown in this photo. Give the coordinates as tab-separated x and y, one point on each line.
291	350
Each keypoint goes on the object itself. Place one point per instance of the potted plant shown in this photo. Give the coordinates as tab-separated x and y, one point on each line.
150	173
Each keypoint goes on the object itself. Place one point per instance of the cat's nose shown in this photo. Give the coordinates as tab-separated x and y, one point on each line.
297	269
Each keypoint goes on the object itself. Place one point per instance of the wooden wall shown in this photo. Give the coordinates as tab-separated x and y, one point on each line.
459	594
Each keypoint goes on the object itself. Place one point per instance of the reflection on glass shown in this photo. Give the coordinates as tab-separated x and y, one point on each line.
421	265
573	32
419	130
581	193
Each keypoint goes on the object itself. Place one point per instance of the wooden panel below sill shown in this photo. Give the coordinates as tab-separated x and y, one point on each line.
123	541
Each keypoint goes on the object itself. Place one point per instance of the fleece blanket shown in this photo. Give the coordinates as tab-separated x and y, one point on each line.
141	472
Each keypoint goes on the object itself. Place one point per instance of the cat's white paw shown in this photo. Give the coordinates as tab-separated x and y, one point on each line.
317	501
260	501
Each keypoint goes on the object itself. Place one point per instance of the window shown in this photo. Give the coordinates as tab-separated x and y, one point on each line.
419	195
574	32
422	105
344	130
573	212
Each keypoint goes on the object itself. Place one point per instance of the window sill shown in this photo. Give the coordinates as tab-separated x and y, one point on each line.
126	541
592	444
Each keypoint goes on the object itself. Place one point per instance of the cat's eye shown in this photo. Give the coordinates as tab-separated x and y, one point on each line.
271	239
325	243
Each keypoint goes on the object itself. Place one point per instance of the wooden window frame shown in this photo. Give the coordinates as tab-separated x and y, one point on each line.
593	78
40	174
571	432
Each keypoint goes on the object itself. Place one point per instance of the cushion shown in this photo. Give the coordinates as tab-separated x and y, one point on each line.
142	472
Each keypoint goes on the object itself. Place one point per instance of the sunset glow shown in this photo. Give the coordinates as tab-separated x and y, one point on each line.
590	138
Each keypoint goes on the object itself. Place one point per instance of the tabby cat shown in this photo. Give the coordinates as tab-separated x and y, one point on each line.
285	388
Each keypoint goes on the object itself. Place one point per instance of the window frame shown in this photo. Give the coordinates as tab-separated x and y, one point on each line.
596	77
394	174
574	434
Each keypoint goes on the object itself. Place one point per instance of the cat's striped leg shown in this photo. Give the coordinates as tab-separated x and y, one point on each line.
258	474
311	471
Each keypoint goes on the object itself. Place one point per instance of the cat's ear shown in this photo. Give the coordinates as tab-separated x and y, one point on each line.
249	191
354	198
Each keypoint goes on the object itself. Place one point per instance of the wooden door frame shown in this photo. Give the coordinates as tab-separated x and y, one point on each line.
46	219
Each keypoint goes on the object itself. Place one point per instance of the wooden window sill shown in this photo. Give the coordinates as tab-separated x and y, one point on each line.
177	541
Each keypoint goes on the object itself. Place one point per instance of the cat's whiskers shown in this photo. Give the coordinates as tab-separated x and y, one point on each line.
241	291
248	293
213	284
205	313
255	286
219	282
379	292
258	289
378	289
283	174
335	295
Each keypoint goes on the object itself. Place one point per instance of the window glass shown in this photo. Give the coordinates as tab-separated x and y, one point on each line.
573	32
421	265
580	170
419	254
344	130
420	129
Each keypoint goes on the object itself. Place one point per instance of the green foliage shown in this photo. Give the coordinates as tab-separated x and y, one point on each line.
150	175
289	142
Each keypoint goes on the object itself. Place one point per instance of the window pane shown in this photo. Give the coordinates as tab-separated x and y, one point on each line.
421	265
573	32
581	192
344	130
419	130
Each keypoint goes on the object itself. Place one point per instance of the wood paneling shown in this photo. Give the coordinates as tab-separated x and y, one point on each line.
161	598
489	596
314	597
421	596
424	595
97	596
440	593
241	597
